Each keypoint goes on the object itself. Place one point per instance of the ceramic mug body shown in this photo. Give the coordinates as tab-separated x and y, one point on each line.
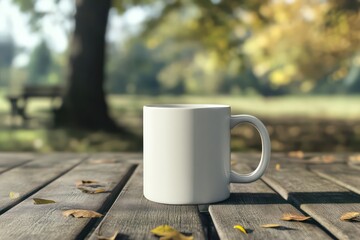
187	153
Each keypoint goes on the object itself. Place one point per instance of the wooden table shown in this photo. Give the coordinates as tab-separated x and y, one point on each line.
323	187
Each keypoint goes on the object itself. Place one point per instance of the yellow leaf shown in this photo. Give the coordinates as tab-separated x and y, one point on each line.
277	167
91	190
42	201
296	154
80	213
14	195
112	237
350	216
270	225
165	232
241	228
294	217
82	182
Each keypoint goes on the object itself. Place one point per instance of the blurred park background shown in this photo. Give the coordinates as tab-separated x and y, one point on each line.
295	64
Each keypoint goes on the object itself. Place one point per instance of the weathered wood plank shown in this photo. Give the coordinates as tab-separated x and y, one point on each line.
252	205
29	221
10	161
340	174
134	216
32	176
323	200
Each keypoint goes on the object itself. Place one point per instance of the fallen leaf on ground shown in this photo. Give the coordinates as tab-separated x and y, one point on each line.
296	154
42	201
14	195
294	217
323	159
165	232
80	213
82	182
270	225
278	167
355	158
112	237
91	190
350	216
240	228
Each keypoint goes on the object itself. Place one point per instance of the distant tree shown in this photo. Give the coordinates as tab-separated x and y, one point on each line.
7	54
40	64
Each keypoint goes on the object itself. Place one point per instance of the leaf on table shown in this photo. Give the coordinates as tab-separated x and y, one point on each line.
350	216
83	182
14	195
354	158
112	237
81	213
270	225
294	217
278	167
240	228
296	154
39	201
323	159
166	232
92	190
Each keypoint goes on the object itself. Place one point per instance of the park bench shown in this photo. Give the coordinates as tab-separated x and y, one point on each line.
321	186
18	101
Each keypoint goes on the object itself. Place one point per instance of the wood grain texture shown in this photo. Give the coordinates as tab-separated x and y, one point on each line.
341	174
10	161
134	216
323	200
29	221
252	205
32	176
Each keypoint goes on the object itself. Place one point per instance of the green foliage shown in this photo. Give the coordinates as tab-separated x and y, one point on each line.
40	64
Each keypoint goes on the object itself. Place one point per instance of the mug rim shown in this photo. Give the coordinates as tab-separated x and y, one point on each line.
185	106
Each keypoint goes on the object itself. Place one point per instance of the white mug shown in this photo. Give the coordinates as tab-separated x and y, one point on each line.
187	153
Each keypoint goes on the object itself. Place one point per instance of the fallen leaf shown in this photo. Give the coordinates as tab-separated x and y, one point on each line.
270	225
278	167
165	232
294	217
350	216
296	154
112	237
14	195
42	201
240	228
323	159
80	213
82	182
91	190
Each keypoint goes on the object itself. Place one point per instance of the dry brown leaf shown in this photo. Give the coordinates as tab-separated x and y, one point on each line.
296	154
14	195
112	237
39	201
355	158
91	190
270	225
81	213
278	167
83	182
294	217
166	232
240	228
349	216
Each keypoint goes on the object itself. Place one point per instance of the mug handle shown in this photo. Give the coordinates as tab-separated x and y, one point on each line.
266	149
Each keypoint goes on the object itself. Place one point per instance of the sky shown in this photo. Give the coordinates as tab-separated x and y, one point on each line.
57	26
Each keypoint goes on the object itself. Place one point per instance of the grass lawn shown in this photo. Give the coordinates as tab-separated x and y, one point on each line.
338	112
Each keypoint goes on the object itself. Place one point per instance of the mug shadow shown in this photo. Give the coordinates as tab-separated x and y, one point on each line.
296	197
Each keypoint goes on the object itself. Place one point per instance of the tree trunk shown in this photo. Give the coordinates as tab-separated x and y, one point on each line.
84	105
